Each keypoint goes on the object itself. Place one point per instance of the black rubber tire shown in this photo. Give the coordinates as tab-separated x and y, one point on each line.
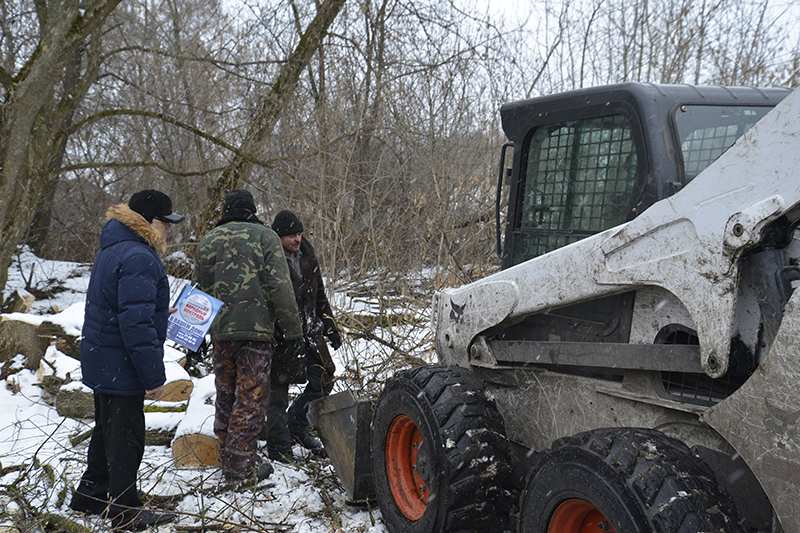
640	479
467	470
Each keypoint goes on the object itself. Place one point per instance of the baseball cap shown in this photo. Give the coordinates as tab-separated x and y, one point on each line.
154	204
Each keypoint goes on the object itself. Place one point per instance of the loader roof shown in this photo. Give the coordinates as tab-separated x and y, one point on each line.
517	117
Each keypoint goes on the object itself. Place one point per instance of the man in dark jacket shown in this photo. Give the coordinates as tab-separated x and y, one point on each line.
122	355
315	311
241	263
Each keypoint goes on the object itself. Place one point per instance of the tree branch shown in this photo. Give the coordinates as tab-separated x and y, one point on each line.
272	107
169	120
5	78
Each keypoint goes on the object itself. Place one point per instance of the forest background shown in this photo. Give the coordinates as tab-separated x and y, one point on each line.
375	120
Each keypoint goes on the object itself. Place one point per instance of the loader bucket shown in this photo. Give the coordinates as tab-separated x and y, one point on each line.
343	424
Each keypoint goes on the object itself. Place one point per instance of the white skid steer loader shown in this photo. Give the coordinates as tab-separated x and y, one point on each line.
635	365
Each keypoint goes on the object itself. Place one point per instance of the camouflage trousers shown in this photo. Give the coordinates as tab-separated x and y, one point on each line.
241	370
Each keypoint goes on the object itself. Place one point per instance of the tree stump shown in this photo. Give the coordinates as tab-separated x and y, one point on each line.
19	301
195	450
75	403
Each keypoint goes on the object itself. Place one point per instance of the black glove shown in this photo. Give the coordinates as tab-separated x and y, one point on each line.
199	355
296	347
335	339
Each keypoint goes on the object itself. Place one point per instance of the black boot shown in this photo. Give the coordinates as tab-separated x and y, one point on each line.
285	455
261	470
309	442
88	499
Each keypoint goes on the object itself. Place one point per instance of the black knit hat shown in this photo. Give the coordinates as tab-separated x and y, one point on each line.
239	199
286	223
154	204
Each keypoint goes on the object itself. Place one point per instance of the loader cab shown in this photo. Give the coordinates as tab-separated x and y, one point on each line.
588	160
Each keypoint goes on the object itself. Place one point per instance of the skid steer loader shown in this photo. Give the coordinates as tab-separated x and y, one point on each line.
634	366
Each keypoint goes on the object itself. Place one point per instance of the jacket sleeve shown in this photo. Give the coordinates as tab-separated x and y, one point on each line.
136	297
279	287
198	277
324	311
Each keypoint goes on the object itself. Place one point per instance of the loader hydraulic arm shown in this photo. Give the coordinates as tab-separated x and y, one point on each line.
689	244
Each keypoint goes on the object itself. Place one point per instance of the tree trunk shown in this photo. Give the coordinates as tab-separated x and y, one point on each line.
271	109
34	111
42	217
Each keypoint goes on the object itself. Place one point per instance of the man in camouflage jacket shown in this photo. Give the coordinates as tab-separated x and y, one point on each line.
241	263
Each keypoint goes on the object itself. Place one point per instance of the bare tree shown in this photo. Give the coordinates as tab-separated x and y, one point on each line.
377	121
407	122
271	108
733	42
43	85
173	100
160	96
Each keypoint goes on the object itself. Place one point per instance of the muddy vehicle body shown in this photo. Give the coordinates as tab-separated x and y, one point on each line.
634	366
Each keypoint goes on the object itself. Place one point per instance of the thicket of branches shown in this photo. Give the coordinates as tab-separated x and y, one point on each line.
387	145
375	120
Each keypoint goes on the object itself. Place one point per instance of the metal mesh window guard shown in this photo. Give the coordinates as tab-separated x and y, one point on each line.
706	131
696	388
579	180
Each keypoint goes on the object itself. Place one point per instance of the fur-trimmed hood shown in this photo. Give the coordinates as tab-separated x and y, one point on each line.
139	225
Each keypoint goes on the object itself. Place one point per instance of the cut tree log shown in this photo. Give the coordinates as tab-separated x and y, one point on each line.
65	343
195	444
177	391
158	437
152	437
18	337
78	403
75	403
195	450
179	385
166	407
31	340
19	301
74	400
62	523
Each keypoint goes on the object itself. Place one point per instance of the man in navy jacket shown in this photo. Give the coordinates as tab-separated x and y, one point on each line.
122	355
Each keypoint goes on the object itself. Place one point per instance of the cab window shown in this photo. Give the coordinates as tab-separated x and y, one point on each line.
706	131
578	181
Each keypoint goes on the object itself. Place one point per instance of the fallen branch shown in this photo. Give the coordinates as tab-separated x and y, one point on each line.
334	516
80	437
62	523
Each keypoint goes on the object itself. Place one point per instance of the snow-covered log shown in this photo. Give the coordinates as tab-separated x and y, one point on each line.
19	301
195	444
29	335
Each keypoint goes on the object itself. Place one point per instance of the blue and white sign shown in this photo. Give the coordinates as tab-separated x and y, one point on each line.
196	312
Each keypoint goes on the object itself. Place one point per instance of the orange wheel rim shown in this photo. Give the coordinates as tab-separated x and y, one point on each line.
402	446
578	516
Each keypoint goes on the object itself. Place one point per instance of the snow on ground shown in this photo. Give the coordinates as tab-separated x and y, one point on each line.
38	459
